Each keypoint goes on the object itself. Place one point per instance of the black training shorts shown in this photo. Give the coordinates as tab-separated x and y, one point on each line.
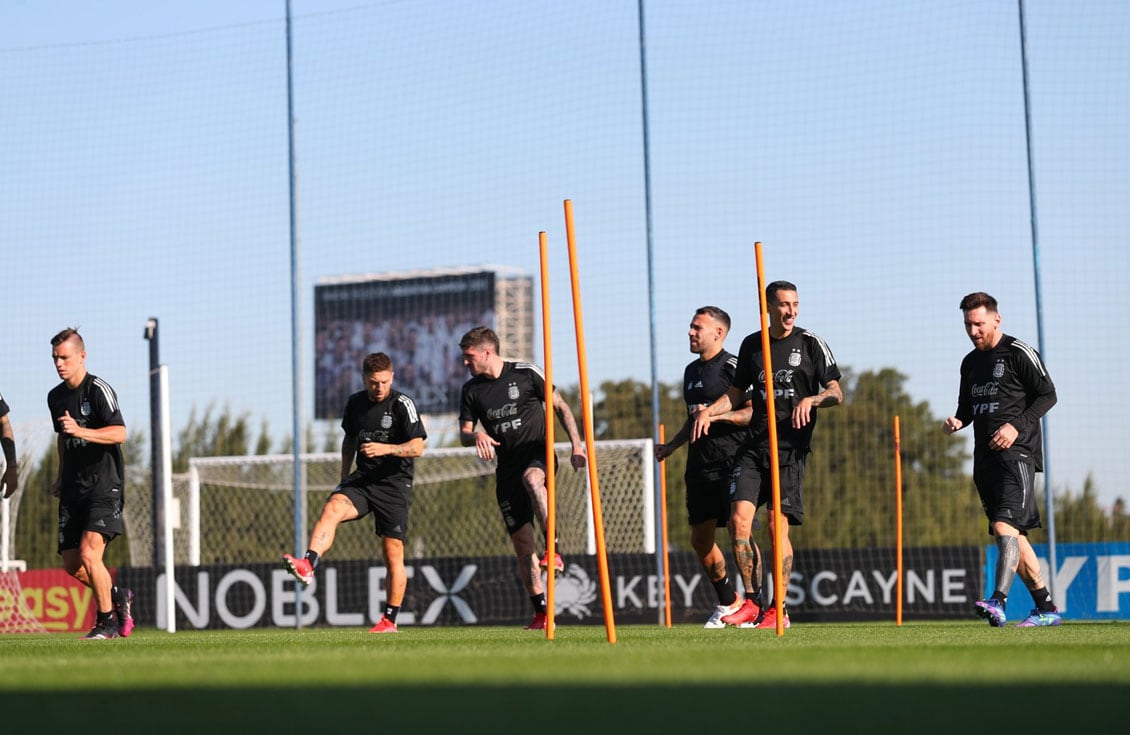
1007	490
388	501
708	498
99	511
752	480
510	490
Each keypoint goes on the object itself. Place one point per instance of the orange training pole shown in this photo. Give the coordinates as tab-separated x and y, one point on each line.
779	585
663	542
898	525
550	469
586	410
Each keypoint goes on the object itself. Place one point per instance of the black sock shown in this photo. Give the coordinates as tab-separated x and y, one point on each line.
105	620
725	590
1043	599
539	604
1001	597
312	557
117	595
391	611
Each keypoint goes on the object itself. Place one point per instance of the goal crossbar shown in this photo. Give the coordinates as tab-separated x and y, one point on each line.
450	484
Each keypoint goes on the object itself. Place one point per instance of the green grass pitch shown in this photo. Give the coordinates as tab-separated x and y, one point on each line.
918	678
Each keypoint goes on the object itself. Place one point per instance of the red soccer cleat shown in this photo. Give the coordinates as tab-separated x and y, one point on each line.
746	614
302	570
384	625
539	623
769	620
558	562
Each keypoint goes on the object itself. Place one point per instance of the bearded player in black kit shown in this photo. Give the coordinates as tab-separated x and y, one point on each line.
1005	390
709	459
805	377
508	401
384	433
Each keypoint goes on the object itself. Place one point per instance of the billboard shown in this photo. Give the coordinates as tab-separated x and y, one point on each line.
416	319
829	585
1092	581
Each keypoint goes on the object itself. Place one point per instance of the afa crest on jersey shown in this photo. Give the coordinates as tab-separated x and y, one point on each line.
386	421
794	358
512	392
85	408
998	369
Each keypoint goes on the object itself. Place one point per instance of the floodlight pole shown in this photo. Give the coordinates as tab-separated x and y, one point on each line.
1049	496
156	429
655	417
295	322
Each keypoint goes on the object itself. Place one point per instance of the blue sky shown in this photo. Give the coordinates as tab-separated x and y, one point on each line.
877	149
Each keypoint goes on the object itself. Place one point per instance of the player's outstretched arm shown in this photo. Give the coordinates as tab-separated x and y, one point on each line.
561	408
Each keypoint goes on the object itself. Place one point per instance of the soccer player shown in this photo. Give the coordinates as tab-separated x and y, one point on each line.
508	400
709	459
1005	390
11	480
384	434
91	481
805	377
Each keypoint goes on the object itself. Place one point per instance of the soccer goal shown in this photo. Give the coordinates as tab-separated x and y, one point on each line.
241	509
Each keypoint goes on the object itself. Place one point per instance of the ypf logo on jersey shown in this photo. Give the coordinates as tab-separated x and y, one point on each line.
794	358
512	392
998	369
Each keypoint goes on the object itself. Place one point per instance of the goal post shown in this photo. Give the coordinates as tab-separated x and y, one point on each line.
240	509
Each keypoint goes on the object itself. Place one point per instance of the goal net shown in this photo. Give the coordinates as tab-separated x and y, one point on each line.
241	510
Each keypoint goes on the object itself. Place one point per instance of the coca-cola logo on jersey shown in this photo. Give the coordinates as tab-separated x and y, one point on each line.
510	409
779	376
985	389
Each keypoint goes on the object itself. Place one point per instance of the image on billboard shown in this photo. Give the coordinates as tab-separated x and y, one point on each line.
416	319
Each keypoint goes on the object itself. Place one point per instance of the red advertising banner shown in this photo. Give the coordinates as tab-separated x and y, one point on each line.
51	597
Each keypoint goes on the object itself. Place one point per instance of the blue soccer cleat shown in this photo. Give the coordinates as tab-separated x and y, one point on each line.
1037	619
992	610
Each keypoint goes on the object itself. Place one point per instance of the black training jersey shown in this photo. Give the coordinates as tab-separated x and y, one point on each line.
88	467
510	408
802	365
703	382
1007	384
392	421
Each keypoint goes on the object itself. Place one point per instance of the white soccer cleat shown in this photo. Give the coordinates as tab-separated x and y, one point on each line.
720	612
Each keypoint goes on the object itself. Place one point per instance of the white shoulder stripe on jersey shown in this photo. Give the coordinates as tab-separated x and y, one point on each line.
530	366
410	405
1031	354
829	360
732	361
108	392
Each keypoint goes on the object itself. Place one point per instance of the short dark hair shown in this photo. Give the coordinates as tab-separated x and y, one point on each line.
376	362
68	333
772	289
478	336
976	300
716	314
